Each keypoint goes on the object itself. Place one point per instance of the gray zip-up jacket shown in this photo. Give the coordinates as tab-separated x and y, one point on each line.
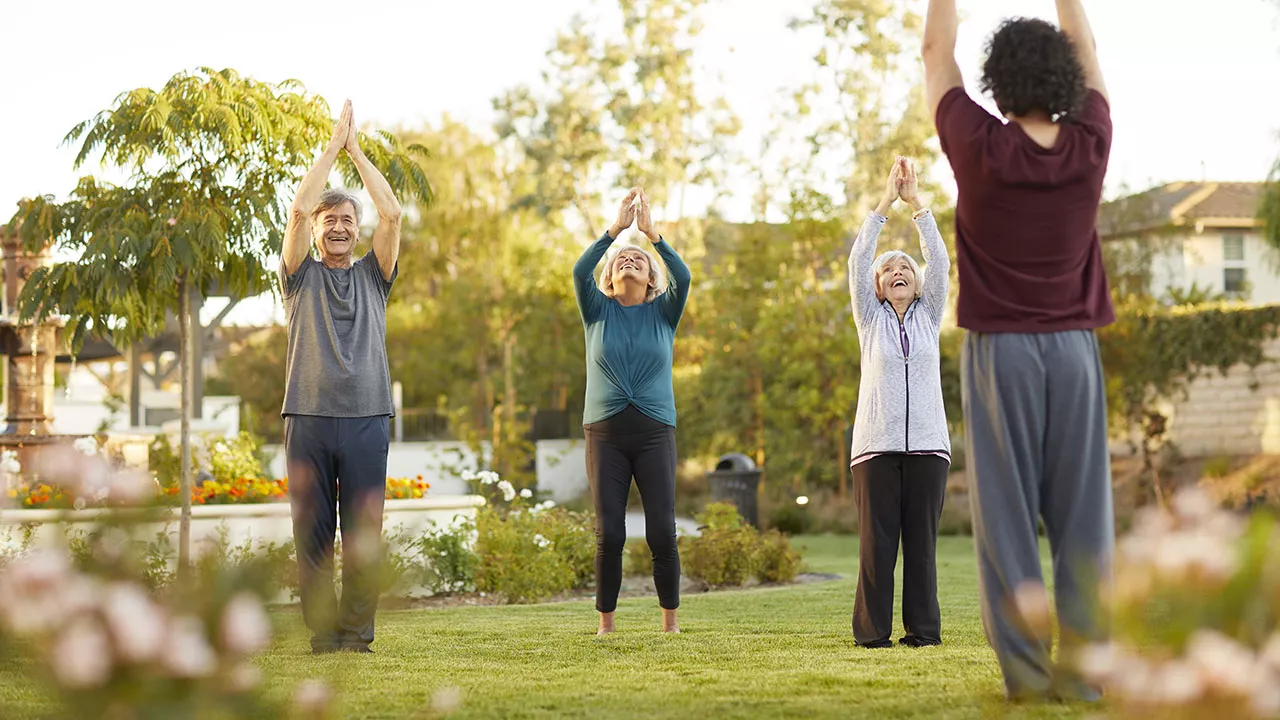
900	406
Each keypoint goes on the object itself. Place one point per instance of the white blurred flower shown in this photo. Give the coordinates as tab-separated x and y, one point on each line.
1097	662
312	696
508	490
548	504
132	487
446	700
245	626
87	445
220	447
244	677
135	622
1270	653
81	656
1266	699
1179	682
1135	680
1223	663
488	477
187	653
27	588
79	504
102	494
9	464
1031	602
526	493
1193	504
541	541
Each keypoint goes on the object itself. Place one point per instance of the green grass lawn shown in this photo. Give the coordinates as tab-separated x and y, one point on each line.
777	652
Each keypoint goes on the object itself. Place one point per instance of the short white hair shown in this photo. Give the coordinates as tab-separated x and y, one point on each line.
659	279
877	269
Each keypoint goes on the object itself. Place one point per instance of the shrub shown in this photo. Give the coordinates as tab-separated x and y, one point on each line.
573	538
446	562
1194	609
777	561
514	561
639	558
790	518
724	555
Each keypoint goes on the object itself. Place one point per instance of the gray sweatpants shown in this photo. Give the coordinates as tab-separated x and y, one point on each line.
1036	447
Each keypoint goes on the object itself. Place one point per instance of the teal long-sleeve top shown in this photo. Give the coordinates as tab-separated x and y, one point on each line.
630	348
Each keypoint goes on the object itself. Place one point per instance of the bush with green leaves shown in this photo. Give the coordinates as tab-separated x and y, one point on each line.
446	561
573	538
226	459
729	552
515	560
639	558
777	561
725	553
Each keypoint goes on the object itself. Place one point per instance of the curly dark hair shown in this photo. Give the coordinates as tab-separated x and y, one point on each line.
1032	65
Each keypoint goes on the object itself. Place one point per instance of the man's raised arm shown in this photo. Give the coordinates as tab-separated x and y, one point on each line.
1075	24
297	236
386	237
941	72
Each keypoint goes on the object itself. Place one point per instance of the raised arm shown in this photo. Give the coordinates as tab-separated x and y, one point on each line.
941	72
937	263
1075	24
674	299
386	236
862	287
589	296
297	236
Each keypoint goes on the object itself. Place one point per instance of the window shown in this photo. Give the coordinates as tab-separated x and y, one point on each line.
1233	280
1233	248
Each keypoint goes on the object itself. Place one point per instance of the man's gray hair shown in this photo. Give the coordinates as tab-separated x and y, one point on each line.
336	197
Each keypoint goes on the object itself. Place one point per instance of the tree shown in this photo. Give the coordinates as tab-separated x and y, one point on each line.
632	102
208	156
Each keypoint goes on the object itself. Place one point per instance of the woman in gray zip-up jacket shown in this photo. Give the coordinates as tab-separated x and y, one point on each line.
901	450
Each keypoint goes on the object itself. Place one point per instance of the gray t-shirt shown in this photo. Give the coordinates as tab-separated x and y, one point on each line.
336	364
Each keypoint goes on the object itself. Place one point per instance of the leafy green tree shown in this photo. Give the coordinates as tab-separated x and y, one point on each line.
208	157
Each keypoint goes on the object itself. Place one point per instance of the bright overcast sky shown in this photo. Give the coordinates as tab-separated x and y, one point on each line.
1192	83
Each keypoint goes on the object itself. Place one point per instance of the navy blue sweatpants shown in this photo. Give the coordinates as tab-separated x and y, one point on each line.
337	479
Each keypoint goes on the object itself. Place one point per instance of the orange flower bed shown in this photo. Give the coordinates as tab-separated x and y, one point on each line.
237	492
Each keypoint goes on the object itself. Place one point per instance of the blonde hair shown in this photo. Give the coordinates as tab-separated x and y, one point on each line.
877	269
659	279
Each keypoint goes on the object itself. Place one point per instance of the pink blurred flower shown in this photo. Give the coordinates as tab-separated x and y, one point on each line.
135	622
244	677
446	700
245	626
1031	602
1223	663
313	696
81	655
187	654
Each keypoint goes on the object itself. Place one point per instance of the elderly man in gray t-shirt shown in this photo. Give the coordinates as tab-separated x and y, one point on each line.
337	402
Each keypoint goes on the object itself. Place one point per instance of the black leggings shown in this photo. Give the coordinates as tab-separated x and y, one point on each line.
899	496
626	444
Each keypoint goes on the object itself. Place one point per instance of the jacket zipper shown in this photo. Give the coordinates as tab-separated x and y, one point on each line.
906	376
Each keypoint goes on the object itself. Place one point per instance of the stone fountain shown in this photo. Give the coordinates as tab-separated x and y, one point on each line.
32	351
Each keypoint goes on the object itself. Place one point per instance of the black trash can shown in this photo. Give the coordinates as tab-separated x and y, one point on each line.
736	479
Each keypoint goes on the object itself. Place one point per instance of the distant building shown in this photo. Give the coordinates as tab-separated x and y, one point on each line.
1204	236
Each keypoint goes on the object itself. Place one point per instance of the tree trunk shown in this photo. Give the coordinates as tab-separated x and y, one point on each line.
184	480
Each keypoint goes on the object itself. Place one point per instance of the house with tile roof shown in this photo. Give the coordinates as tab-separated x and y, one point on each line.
1203	235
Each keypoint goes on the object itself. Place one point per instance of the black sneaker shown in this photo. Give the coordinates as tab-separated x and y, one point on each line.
913	641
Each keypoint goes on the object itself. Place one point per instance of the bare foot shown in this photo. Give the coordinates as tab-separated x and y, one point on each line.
669	623
606	624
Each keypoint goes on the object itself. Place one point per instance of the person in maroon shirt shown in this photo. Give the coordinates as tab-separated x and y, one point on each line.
1032	290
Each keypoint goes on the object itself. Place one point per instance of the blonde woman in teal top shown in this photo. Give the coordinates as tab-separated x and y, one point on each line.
630	318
